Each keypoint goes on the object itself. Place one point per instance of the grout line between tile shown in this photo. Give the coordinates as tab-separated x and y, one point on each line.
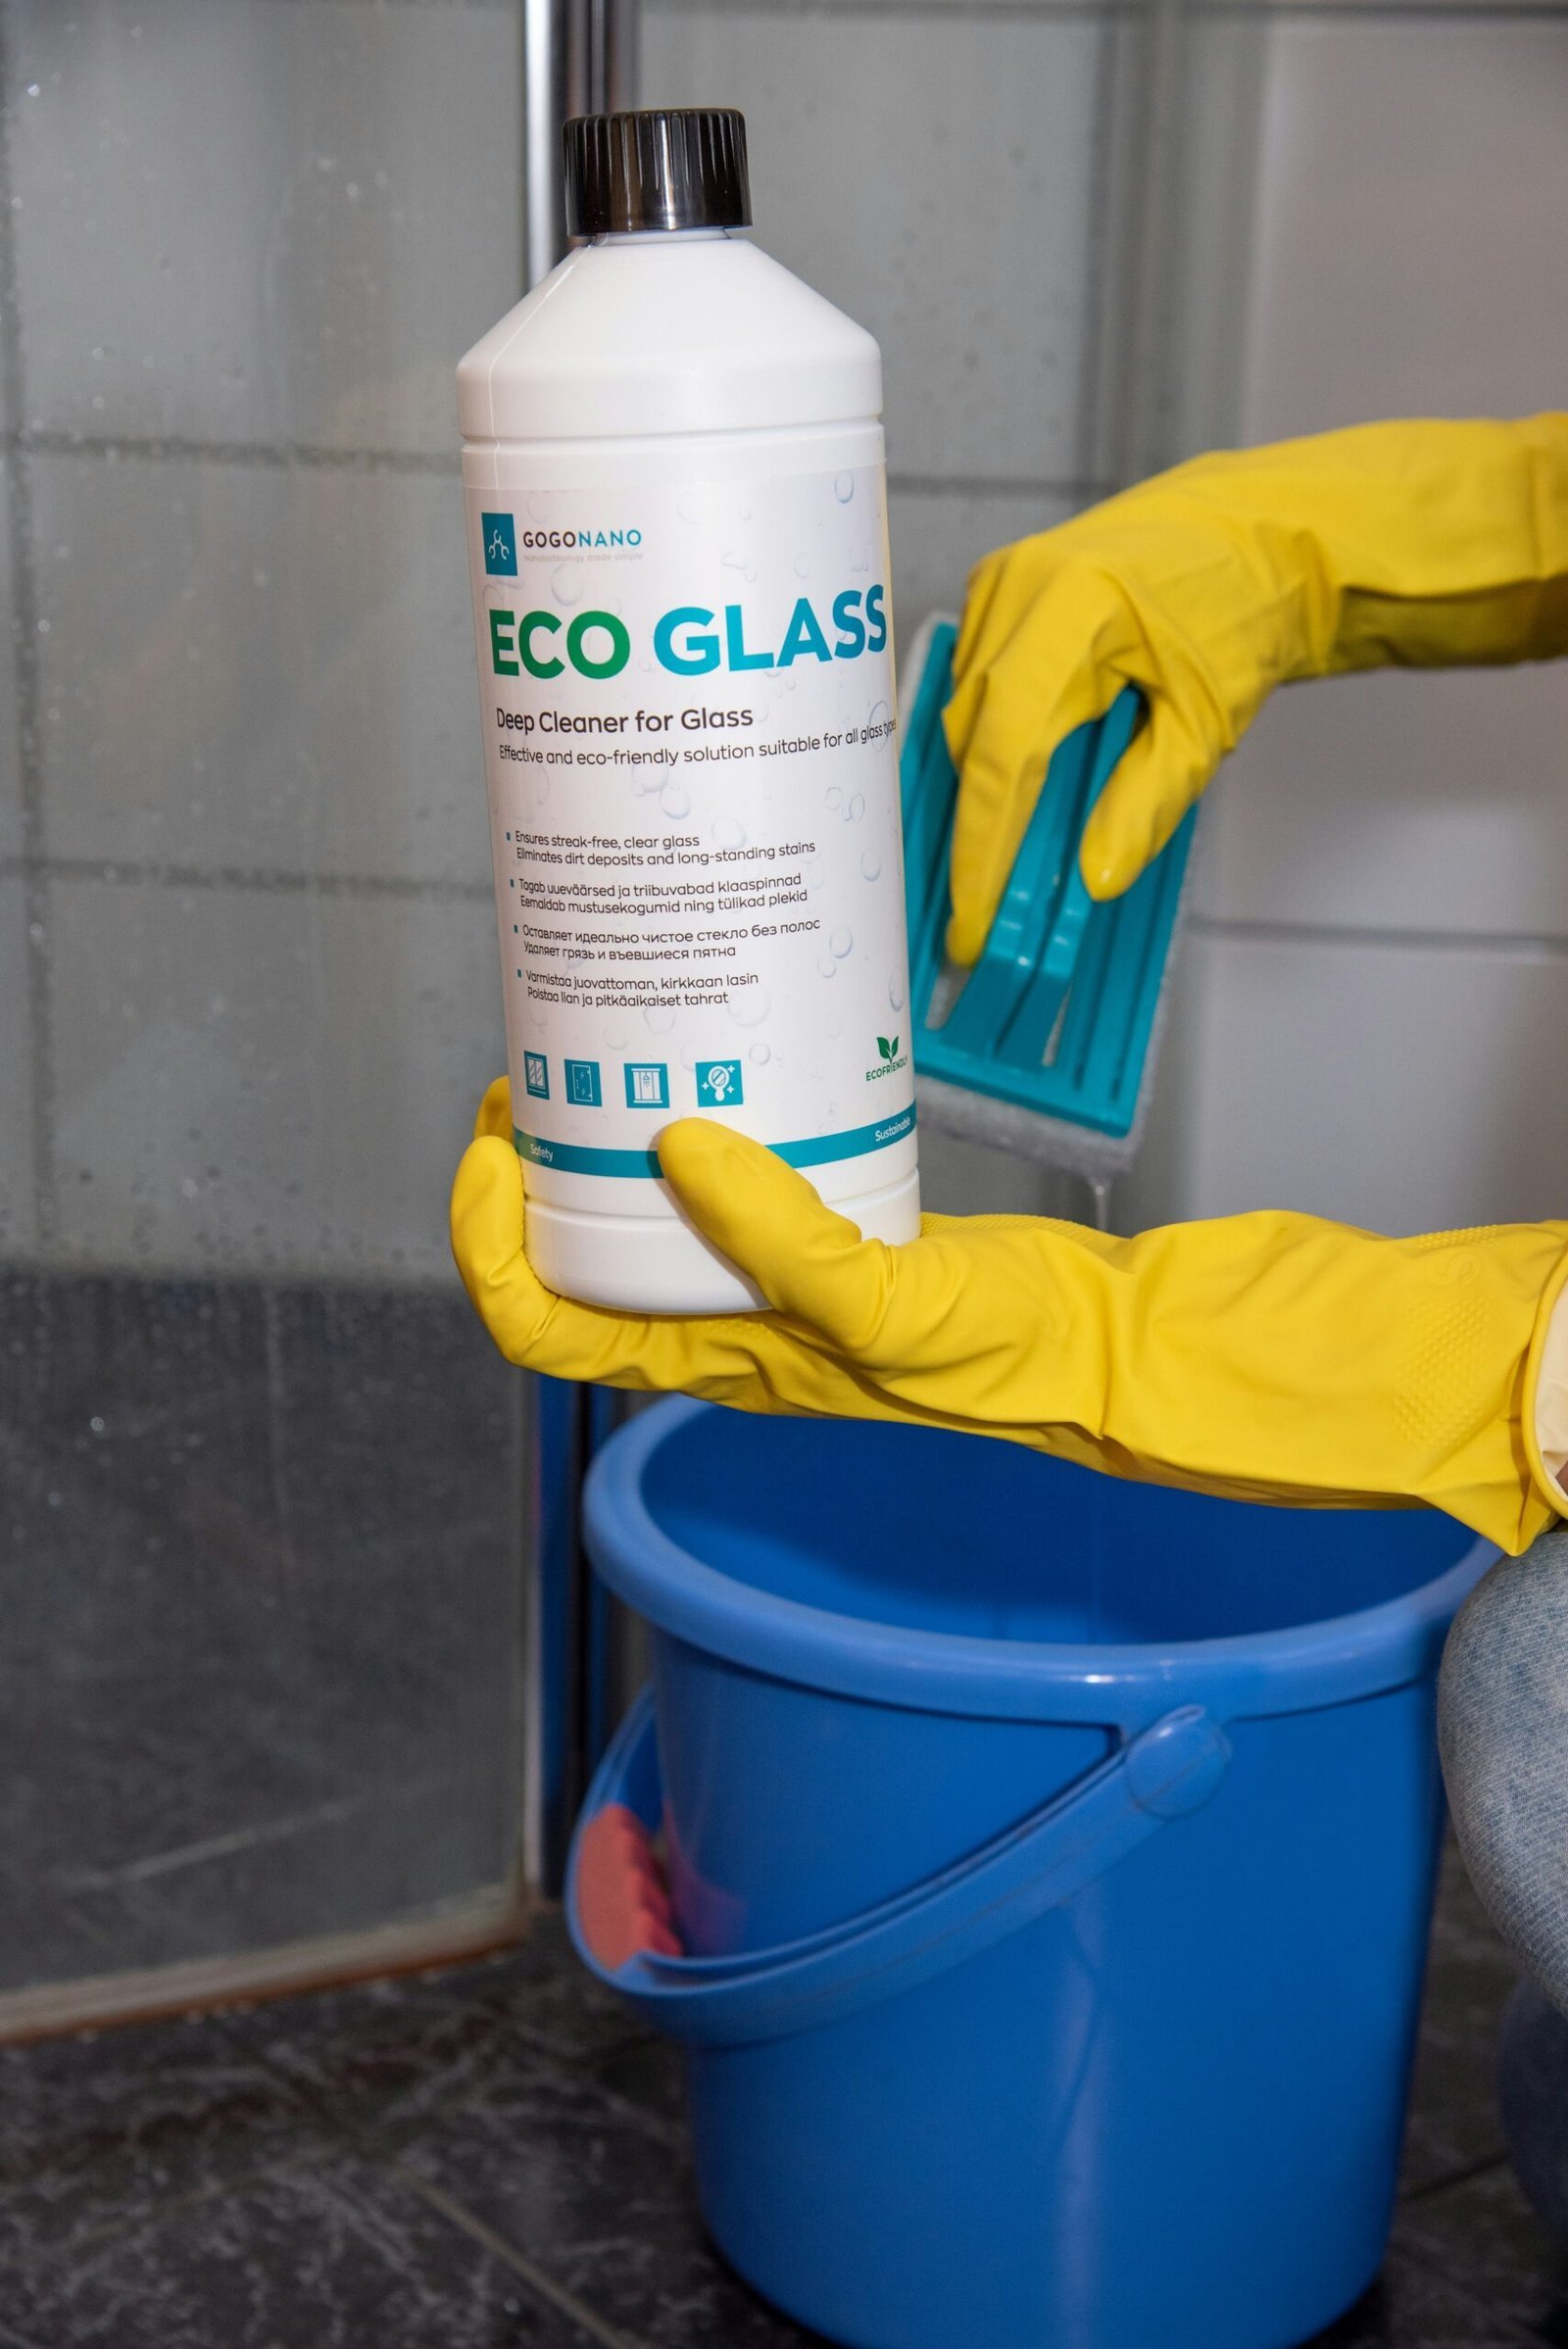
1384	11
451	7
1004	485
1097	255
540	2284
1454	2178
910	12
270	456
290	456
1521	945
361	2139
259	879
25	670
567	2066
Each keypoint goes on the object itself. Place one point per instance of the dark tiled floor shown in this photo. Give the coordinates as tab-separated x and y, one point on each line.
259	1588
492	2156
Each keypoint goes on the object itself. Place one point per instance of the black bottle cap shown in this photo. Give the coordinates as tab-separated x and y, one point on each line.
676	166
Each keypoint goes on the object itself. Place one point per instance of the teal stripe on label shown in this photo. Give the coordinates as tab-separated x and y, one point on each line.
571	1157
853	1145
574	1158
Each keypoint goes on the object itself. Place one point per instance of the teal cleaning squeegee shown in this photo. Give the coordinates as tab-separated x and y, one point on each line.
1047	1048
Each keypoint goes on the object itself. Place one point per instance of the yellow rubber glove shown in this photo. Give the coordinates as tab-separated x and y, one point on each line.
1271	1356
1419	545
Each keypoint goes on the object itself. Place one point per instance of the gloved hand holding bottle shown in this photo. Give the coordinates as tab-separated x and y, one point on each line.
1422	545
1272	1356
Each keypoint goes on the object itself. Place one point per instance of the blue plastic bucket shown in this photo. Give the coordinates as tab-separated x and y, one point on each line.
1052	1862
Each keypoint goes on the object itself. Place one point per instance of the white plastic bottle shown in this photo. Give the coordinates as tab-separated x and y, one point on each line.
677	529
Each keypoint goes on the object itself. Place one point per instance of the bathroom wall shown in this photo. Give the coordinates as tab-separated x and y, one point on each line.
1376	989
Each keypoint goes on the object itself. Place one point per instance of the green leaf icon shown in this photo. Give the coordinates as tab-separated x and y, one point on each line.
885	1049
893	1051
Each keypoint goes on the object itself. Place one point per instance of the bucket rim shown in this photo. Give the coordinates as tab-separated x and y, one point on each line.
1302	1667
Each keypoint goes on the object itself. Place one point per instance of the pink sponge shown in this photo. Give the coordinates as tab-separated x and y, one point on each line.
622	1902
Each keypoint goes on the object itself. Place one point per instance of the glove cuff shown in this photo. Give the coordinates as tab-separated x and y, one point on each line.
1546	1500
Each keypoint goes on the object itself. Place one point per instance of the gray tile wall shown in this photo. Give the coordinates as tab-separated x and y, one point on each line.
245	836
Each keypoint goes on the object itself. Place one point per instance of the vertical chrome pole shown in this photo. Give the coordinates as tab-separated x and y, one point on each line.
579	57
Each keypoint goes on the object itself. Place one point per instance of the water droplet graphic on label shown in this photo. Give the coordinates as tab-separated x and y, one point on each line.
660	1018
760	1054
839	943
826	965
855	811
748	1006
566	583
879	714
729	833
833	1025
844	487
872	864
675	801
833	796
896	994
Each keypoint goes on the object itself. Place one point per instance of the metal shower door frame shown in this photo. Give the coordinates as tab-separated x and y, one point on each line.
579	57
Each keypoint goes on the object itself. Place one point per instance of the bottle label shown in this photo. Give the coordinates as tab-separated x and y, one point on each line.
688	706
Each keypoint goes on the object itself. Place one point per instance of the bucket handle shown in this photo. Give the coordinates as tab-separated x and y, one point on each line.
621	1920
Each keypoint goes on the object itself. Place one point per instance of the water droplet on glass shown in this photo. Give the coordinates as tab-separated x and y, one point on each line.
748	1006
844	487
675	801
729	833
839	943
872	864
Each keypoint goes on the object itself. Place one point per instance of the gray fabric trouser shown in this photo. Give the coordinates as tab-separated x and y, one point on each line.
1503	1726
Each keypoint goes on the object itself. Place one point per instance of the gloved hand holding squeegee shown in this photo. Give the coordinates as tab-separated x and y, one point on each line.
1272	1355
